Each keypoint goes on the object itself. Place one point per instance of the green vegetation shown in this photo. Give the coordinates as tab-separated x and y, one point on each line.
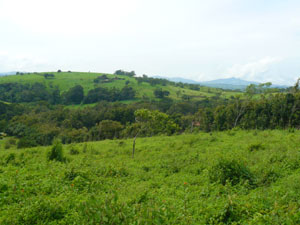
188	179
39	123
56	152
238	172
144	86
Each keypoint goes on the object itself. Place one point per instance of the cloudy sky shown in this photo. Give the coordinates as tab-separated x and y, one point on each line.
198	39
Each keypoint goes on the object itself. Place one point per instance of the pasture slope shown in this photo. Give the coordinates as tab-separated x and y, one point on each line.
67	80
232	177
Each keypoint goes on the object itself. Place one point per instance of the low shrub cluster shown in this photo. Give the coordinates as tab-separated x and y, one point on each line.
231	171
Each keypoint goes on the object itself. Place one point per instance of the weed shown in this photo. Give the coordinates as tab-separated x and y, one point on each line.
74	151
230	171
11	157
256	147
84	148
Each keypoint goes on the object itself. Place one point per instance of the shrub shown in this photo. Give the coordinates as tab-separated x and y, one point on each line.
74	151
56	152
26	143
84	148
7	145
255	147
12	141
230	171
3	188
39	212
70	175
121	143
230	213
10	157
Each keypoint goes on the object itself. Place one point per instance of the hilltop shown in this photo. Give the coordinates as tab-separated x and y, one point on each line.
143	86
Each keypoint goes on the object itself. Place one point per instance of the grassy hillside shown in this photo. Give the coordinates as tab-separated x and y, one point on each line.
66	80
216	178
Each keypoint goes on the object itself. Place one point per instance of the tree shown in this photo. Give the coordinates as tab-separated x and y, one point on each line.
48	75
75	95
296	103
153	122
296	86
106	129
125	73
159	93
241	105
127	93
251	90
240	109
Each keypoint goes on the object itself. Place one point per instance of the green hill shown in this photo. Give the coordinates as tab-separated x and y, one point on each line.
67	80
216	178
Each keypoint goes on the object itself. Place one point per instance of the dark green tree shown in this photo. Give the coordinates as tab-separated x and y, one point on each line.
74	96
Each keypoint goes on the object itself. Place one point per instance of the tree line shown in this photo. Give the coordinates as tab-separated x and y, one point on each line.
21	93
40	124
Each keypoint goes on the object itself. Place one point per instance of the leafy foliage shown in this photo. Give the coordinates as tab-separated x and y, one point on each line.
168	182
125	73
159	93
74	96
56	152
230	171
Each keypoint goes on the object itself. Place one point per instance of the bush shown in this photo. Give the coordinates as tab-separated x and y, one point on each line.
230	171
74	151
7	145
26	143
71	175
255	147
42	211
84	148
267	177
56	152
10	157
12	141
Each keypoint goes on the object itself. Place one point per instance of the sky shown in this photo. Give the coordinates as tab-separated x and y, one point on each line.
195	39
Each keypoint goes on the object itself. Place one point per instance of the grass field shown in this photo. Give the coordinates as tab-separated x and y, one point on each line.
233	177
66	80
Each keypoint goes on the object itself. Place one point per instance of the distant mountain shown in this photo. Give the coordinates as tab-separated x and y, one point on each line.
7	73
230	81
227	83
234	83
182	80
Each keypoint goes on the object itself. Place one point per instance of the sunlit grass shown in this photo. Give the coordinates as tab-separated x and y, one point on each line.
168	180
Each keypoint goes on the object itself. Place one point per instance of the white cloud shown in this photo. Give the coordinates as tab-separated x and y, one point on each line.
193	38
71	17
21	62
253	71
